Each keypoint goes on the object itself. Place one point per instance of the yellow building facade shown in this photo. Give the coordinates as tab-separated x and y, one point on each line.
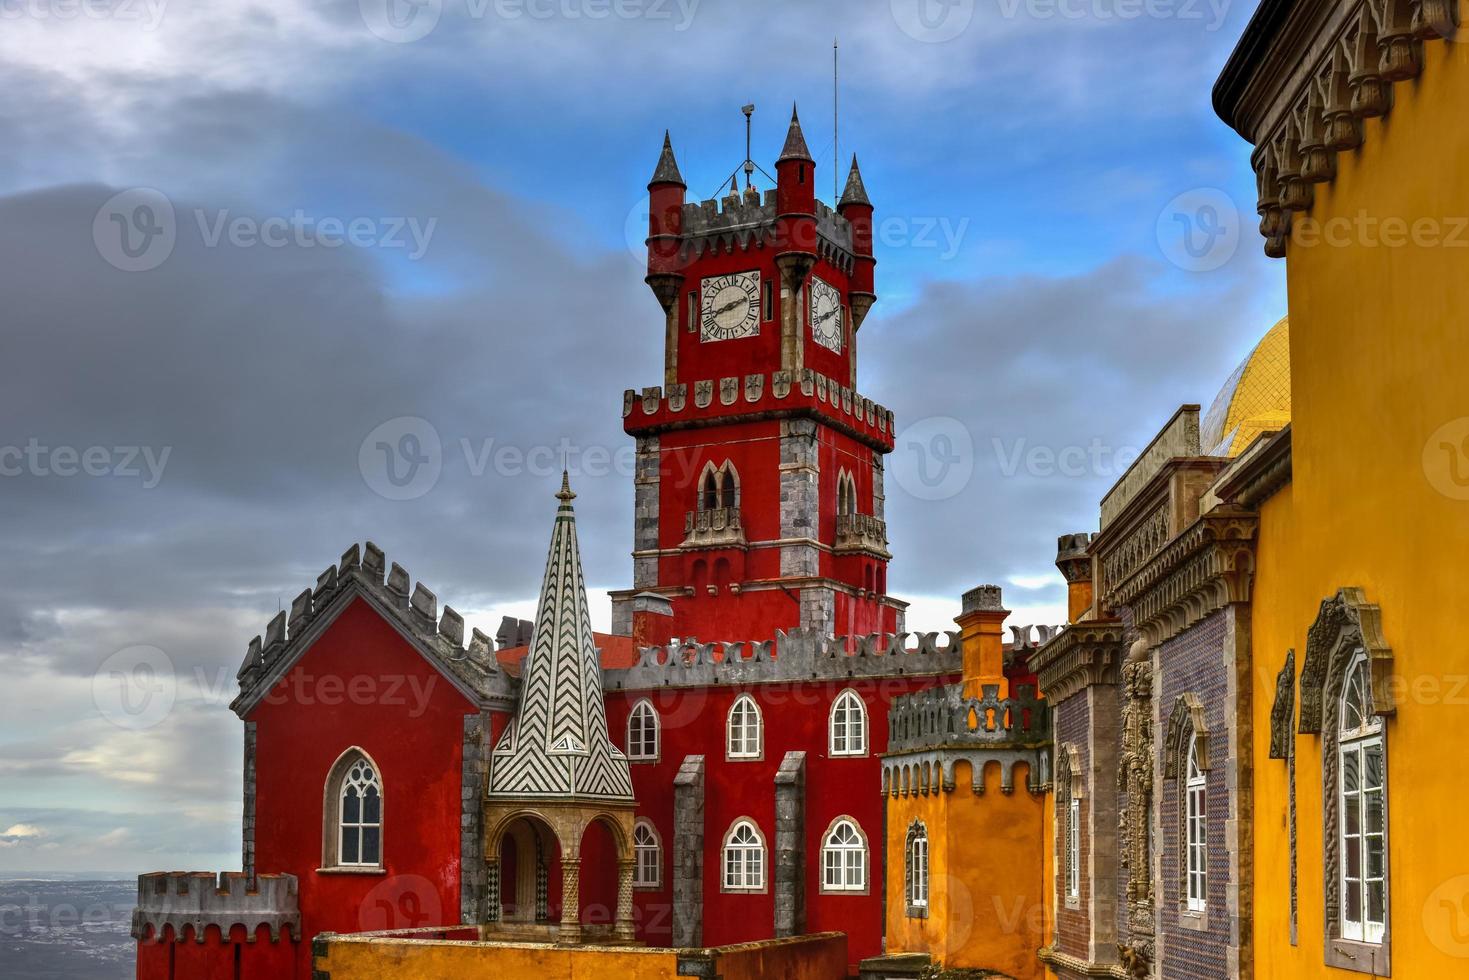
1357	114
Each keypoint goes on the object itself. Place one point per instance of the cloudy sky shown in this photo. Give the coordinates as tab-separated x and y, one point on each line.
241	241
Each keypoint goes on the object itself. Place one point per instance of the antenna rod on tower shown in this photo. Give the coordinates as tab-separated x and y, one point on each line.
748	110
836	149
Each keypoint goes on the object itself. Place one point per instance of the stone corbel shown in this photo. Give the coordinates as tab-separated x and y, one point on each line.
1371	93
1402	51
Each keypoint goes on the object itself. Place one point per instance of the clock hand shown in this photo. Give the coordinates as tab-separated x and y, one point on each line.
729	306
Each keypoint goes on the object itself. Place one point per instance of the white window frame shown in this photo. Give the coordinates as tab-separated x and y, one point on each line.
647	848
1196	832
748	740
353	767
1357	743
1073	849
844	862
638	749
742	862
844	740
917	867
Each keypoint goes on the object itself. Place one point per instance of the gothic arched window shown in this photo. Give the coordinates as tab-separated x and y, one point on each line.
848	734
844	857
642	732
647	856
1196	829
1362	801
915	869
744	858
353	824
745	737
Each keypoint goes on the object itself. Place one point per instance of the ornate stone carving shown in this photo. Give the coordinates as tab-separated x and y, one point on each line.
1210	565
678	397
780	383
628	398
754	387
703	394
1345	623
651	398
1283	709
1135	778
1081	655
1186	723
729	390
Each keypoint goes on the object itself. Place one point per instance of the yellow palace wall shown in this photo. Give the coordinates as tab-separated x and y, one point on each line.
1379	500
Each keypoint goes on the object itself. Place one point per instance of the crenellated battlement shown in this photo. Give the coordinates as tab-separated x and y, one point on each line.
943	716
745	221
759	395
187	903
794	655
413	607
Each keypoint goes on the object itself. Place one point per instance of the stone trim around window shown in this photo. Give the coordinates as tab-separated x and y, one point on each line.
866	888
331	818
1347	625
916	828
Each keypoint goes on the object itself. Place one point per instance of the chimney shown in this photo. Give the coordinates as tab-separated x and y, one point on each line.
981	620
1076	566
652	620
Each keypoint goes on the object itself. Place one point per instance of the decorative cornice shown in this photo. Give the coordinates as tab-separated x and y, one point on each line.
1210	565
1265	471
1304	76
1081	655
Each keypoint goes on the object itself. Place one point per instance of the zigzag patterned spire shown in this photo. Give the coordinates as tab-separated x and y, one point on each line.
557	744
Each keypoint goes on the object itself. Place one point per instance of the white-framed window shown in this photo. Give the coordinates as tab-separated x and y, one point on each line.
354	813
844	857
1196	872
1363	808
647	856
642	731
1073	849
848	725
745	738
916	863
744	858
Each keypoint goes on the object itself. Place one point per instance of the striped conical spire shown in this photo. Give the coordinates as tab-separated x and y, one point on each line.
557	745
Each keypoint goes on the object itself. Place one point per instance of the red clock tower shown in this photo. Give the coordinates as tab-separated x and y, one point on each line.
759	481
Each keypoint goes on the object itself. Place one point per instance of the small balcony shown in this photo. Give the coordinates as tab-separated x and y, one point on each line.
862	534
717	527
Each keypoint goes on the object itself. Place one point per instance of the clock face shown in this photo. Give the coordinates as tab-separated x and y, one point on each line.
730	306
826	315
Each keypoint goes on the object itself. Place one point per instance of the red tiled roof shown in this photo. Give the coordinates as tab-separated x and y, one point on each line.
618	653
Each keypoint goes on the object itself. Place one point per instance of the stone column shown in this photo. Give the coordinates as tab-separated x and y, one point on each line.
570	901
624	928
492	889
790	846
688	853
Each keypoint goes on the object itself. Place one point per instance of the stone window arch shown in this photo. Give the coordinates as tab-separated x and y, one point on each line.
352	814
1070	792
642	732
1186	761
847	725
846	493
915	870
744	858
719	487
1195	831
745	735
844	858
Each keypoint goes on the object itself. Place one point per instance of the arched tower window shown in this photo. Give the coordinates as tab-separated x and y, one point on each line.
744	858
915	869
846	494
844	857
1196	827
642	732
353	813
719	487
745	736
709	497
647	855
848	733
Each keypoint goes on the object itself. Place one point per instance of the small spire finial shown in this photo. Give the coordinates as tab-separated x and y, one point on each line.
856	192
565	494
667	170
795	146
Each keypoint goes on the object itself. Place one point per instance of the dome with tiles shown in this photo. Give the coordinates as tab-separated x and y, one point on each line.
1255	399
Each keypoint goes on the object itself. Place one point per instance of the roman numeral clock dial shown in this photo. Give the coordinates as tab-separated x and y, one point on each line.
826	315
730	306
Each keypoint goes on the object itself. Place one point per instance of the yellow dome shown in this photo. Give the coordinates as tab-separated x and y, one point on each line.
1255	399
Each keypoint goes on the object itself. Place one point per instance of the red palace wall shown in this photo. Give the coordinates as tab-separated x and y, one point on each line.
361	684
693	722
162	958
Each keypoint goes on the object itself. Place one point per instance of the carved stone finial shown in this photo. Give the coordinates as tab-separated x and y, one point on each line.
565	494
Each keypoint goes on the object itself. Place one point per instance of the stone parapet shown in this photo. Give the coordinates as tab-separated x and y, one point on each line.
943	716
191	901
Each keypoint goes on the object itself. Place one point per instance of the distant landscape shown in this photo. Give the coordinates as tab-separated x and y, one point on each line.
66	926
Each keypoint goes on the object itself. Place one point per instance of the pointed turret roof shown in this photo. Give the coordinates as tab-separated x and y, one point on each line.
557	744
667	170
795	148
855	193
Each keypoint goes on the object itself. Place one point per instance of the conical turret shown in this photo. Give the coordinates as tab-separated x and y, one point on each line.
795	148
667	170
